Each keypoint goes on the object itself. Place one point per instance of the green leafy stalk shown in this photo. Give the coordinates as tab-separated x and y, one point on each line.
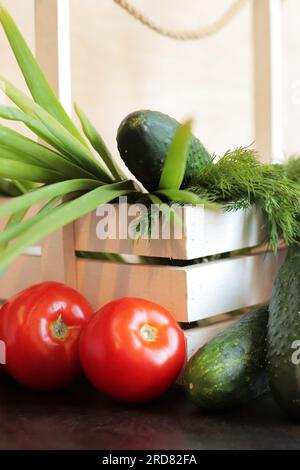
13	188
98	144
63	140
36	81
175	164
62	215
187	197
46	192
22	171
13	221
25	149
16	227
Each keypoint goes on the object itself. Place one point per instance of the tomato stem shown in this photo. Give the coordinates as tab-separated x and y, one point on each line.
59	329
148	333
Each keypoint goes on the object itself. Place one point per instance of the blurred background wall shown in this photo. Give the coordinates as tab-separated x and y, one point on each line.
119	66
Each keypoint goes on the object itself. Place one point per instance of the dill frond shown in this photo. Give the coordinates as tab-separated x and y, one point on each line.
238	181
292	168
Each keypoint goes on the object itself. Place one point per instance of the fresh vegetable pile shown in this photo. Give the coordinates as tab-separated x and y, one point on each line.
68	179
132	349
262	350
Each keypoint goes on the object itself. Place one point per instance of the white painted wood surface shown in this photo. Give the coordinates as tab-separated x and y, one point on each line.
268	92
205	233
22	273
52	44
190	293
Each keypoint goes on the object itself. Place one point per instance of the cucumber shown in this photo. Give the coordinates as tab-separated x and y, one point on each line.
283	335
143	140
230	370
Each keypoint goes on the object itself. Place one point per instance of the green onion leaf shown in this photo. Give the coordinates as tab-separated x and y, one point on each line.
175	164
63	139
13	188
46	192
187	197
63	215
14	221
36	81
26	149
98	143
15	228
22	171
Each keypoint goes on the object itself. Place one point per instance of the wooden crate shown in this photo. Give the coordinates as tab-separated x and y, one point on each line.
203	233
191	292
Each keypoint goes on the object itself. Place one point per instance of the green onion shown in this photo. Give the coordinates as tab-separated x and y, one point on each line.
62	215
63	139
35	78
46	192
175	164
99	145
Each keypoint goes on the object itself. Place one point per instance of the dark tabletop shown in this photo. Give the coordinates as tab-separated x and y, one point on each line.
81	418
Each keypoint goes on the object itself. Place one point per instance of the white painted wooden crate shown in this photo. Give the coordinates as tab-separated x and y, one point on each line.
191	292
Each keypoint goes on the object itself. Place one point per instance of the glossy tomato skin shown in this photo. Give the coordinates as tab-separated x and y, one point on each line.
41	327
132	350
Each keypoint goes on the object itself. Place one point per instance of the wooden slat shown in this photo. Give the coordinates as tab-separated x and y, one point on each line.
52	46
231	284
190	293
52	32
205	233
58	262
23	272
267	62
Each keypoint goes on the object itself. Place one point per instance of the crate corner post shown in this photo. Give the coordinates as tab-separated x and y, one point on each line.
267	77
52	47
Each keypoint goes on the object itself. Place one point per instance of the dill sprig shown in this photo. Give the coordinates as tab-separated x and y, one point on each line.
238	181
292	168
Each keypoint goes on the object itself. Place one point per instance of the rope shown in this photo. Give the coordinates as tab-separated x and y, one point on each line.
200	33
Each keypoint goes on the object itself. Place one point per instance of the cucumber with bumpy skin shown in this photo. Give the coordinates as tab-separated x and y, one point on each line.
230	370
284	336
143	141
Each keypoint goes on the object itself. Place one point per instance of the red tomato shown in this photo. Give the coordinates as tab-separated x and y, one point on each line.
132	350
41	327
2	344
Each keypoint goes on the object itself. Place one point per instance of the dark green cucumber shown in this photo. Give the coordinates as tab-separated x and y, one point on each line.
230	370
284	336
143	141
